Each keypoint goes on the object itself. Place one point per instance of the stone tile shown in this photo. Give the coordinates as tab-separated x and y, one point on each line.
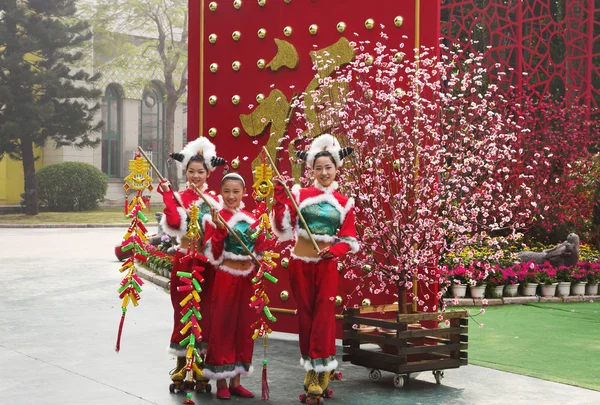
573	298
551	299
520	300
490	301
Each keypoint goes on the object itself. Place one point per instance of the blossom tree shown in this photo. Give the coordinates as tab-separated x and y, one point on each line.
433	155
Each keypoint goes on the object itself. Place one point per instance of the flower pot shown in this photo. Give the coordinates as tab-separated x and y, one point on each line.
591	289
477	291
459	290
563	289
497	291
510	290
528	290
549	290
578	288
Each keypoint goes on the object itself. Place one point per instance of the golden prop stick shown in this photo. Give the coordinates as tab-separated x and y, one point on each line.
231	231
160	176
289	194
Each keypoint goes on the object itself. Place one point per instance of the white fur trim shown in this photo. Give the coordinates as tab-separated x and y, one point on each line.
287	231
328	190
240	216
324	142
177	232
296	192
239	370
235	256
201	146
352	242
236	272
215	261
305	260
320	369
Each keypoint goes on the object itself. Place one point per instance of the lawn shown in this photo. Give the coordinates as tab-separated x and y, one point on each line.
557	342
103	216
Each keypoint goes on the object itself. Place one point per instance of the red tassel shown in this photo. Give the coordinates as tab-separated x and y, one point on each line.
265	384
126	205
118	347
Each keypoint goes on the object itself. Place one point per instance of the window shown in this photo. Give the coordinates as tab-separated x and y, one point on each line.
111	133
152	125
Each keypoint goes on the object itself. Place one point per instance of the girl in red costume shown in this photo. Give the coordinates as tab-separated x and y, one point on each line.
314	275
199	158
231	345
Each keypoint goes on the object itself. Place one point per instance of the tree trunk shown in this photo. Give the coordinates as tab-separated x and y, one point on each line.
31	199
172	170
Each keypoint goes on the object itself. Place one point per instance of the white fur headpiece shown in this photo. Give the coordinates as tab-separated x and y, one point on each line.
325	142
201	146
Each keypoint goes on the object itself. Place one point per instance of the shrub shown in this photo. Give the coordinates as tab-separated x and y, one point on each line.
71	186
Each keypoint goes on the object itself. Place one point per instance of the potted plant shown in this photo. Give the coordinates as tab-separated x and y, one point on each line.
527	275
546	275
563	278
578	279
511	283
478	273
593	277
459	279
495	283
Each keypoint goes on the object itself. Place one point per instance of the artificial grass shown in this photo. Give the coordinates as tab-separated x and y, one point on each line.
552	341
103	216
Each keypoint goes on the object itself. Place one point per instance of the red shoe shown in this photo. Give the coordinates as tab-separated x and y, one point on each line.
223	393
240	391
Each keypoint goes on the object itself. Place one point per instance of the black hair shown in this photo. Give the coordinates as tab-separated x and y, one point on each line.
199	159
324	153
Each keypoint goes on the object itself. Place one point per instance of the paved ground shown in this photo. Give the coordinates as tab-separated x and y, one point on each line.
58	320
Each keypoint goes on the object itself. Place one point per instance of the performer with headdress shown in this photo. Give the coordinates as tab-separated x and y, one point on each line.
231	345
329	216
199	158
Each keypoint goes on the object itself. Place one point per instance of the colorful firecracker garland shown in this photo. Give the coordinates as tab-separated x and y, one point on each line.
190	305
134	239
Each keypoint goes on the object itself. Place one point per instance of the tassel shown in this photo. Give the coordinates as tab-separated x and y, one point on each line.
126	205
265	382
118	347
188	400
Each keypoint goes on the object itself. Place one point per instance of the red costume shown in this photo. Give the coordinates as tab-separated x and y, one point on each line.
230	346
314	281
175	223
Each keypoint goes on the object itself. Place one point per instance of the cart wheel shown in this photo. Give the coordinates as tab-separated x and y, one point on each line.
172	388
438	374
338	375
374	374
208	388
302	398
329	393
398	381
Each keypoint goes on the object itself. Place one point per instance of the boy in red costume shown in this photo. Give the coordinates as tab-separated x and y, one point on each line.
314	275
199	158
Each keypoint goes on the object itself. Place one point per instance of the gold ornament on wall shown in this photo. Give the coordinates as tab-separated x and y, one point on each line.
214	67
369	60
212	6
341	26
285	262
236	35
338	300
235	100
212	132
370	24
260	98
366	302
366	268
399	57
396	164
288	1
212	100
212	38
261	63
262	33
237	4
235	163
235	131
284	295
262	2
313	29
287	31
236	65
398	21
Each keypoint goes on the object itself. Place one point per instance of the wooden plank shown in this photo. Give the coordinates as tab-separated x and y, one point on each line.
430	332
376	356
430	365
359	320
438	340
350	335
464	338
433	316
435	349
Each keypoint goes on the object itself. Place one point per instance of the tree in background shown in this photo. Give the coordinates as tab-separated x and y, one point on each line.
42	96
161	31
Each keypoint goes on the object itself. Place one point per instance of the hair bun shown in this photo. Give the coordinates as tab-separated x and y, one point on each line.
217	161
302	154
177	156
346	152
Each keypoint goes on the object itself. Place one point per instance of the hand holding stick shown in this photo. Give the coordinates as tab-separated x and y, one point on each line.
291	197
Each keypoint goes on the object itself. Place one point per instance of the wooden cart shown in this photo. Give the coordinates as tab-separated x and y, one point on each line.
405	345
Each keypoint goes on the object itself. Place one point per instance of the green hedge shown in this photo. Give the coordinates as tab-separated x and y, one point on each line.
71	186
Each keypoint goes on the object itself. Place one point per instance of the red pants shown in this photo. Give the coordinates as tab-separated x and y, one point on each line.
314	286
231	345
177	297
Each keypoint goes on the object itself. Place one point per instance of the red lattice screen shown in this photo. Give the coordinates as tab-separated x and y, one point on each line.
548	47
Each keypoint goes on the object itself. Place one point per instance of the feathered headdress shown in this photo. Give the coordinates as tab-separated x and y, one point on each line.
327	143
201	146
